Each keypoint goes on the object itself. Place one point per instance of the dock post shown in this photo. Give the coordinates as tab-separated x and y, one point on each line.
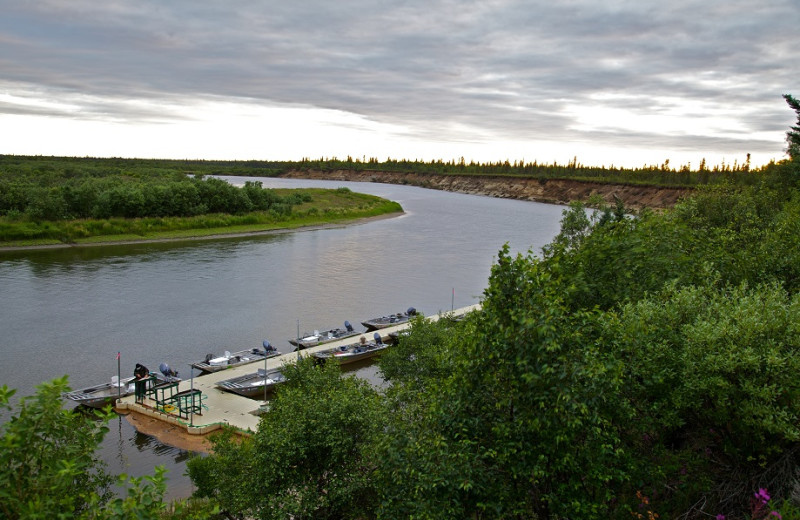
191	411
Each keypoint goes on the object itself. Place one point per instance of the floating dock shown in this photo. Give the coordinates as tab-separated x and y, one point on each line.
199	407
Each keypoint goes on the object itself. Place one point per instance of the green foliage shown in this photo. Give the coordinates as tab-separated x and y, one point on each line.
310	457
707	332
228	477
540	388
733	353
421	475
777	251
575	226
793	135
144	499
551	408
59	198
605	260
712	374
728	228
522	427
784	174
338	206
48	468
425	354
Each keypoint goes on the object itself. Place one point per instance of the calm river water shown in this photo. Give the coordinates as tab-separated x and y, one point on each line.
69	311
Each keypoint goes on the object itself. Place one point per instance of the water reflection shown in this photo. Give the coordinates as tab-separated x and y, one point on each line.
366	369
146	443
115	451
69	260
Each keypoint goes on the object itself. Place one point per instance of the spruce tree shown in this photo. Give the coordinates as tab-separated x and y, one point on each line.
793	136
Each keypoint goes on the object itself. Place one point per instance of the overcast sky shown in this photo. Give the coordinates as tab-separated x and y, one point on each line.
611	82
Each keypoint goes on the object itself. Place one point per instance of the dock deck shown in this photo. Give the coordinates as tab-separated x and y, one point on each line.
218	408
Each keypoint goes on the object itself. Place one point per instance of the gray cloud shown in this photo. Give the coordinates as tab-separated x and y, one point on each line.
509	67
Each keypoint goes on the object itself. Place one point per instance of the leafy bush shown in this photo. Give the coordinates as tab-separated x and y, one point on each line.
309	457
115	195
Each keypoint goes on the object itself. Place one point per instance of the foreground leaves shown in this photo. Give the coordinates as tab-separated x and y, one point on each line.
310	456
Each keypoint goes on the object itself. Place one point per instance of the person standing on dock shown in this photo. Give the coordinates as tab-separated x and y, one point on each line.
140	374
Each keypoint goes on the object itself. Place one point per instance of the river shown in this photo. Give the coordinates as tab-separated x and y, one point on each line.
69	311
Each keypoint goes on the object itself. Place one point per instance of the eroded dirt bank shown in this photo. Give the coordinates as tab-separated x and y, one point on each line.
553	190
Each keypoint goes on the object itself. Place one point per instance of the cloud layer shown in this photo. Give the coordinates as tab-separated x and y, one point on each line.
702	78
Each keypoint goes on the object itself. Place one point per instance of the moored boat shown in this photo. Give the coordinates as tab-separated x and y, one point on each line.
390	320
325	336
255	384
100	395
354	352
229	360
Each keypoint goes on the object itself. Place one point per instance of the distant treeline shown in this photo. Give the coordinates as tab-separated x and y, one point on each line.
663	175
54	168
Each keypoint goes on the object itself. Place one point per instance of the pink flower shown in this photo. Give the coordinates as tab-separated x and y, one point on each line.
720	517
762	495
776	514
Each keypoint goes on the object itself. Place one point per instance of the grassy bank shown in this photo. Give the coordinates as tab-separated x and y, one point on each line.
324	207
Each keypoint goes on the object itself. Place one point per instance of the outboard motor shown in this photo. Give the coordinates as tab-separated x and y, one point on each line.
209	357
348	326
267	346
411	311
378	340
167	371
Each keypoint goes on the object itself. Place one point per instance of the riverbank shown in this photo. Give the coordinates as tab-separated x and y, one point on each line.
198	234
300	208
553	191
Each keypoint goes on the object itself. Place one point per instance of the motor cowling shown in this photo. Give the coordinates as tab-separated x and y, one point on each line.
167	371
